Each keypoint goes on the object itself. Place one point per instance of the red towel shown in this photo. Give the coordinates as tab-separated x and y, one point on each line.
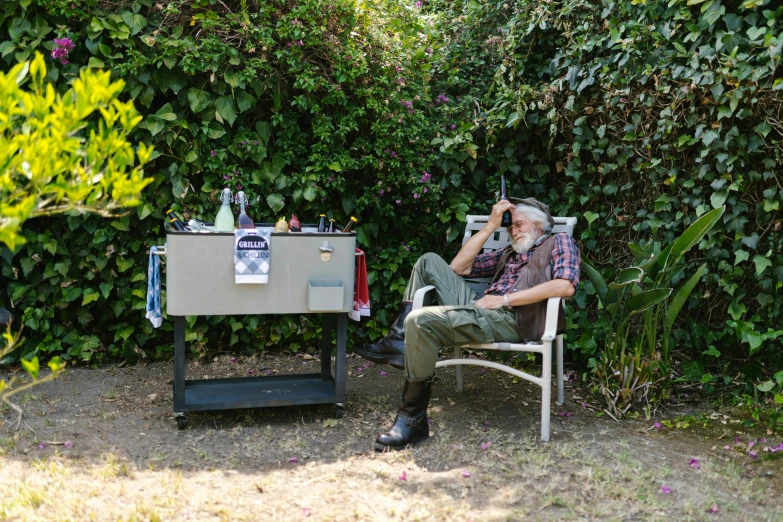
361	290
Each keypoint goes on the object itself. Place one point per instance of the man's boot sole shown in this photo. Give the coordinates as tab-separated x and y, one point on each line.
383	447
397	361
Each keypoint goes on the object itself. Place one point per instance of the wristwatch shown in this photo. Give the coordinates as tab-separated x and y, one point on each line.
505	301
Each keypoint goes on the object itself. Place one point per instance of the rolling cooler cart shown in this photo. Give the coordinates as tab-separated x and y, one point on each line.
310	272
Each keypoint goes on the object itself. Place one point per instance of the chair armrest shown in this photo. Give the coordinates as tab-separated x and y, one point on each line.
550	327
423	297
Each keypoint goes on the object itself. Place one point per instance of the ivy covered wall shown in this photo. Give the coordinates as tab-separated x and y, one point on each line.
636	117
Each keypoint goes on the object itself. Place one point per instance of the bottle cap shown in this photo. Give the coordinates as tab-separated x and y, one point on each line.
321	215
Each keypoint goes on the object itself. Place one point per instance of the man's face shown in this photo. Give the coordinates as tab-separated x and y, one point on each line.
523	232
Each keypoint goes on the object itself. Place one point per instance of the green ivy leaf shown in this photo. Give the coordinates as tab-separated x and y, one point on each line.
89	296
740	256
310	193
227	109
765	386
590	216
124	263
198	99
762	263
71	293
275	202
106	288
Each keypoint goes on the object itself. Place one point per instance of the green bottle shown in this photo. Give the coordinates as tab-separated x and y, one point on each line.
224	221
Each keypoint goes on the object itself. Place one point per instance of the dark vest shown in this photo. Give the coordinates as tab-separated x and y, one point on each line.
531	318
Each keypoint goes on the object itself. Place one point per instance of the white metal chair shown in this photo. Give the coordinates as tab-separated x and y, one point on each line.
423	297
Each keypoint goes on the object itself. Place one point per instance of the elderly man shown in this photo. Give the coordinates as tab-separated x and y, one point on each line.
535	267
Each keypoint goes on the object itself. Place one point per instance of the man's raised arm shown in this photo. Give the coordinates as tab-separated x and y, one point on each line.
463	261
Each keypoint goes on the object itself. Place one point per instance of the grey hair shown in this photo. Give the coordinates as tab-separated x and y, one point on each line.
535	215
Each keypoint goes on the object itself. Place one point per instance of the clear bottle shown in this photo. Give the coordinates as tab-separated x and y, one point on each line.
244	220
224	221
350	225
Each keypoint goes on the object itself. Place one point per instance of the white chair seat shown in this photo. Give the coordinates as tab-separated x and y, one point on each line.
423	297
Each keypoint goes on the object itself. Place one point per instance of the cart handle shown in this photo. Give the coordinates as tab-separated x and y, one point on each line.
161	251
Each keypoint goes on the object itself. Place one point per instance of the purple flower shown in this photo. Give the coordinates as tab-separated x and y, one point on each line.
68	444
426	177
665	490
251	371
425	190
338	88
429	421
399	202
397	68
486	446
212	153
695	463
754	454
383	373
293	460
41	445
657	425
226	177
233	359
465	473
415	195
407	248
300	43
65	43
239	187
404	476
306	512
453	126
442	98
486	423
393	154
418	4
713	509
381	192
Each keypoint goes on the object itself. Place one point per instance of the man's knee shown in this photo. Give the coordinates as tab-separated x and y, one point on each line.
429	258
420	317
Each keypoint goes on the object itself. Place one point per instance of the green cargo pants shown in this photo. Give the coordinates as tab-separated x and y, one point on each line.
456	321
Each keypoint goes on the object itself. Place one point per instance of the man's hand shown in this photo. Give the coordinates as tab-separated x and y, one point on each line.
496	217
491	302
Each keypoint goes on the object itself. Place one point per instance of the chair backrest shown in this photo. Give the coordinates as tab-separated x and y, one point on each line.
500	239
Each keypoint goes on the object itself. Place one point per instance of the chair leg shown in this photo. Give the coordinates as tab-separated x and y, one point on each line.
560	391
546	390
458	355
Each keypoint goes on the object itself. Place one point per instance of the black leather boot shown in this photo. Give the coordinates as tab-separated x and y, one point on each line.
410	426
389	350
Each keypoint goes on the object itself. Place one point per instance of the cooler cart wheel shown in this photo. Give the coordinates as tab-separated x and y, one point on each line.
339	411
182	421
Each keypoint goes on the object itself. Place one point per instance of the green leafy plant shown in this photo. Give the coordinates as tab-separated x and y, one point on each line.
635	365
53	159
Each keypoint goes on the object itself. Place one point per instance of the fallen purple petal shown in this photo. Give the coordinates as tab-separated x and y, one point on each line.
486	446
233	359
360	368
754	454
695	463
465	473
665	490
657	425
429	421
584	405
486	423
68	444
41	445
727	447
293	460
713	509
383	373
404	476
306	512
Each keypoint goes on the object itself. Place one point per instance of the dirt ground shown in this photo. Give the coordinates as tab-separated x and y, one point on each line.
102	444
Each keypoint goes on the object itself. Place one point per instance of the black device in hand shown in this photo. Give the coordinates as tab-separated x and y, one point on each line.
506	221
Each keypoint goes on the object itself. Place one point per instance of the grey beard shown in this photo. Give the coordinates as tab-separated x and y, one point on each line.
523	245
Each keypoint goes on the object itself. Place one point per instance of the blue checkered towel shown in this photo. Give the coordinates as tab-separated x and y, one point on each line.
154	309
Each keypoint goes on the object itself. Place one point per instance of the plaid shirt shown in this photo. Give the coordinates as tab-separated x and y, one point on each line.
566	264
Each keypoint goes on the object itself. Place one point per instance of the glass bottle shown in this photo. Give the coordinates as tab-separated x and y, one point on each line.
350	225
295	225
175	223
224	221
244	220
332	226
322	223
